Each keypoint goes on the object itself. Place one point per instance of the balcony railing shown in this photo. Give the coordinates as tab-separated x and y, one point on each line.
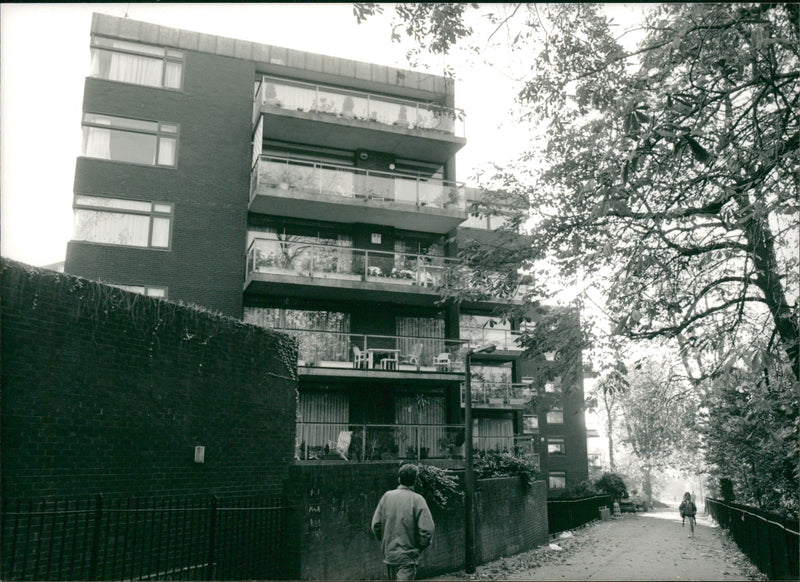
345	104
347	263
504	339
499	393
382	442
348	182
329	349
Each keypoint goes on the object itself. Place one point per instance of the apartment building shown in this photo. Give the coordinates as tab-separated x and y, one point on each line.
317	196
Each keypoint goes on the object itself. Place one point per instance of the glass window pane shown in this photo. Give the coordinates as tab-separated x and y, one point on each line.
168	128
112	203
156	292
161	232
172	75
139	148
135	69
111	227
166	151
166	208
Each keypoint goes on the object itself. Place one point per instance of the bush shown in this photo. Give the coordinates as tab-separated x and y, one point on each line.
491	464
612	484
582	489
439	487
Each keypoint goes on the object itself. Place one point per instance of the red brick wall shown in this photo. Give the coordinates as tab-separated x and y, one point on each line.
108	391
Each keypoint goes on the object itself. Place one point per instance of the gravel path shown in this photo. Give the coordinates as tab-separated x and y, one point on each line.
644	546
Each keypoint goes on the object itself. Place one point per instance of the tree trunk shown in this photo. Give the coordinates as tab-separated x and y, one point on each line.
609	426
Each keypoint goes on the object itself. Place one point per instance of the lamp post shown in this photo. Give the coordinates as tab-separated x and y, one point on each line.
469	477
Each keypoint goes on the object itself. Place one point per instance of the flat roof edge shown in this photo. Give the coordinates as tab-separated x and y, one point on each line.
274	59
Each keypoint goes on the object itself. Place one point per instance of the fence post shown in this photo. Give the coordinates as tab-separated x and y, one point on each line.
98	517
212	525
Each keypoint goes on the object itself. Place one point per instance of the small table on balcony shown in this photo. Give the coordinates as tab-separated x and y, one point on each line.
388	361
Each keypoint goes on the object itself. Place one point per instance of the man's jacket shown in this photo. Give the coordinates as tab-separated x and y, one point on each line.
404	526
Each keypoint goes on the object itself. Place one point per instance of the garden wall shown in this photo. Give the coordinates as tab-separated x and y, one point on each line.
109	391
333	507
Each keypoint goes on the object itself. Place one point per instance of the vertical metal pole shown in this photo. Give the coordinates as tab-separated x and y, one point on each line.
469	477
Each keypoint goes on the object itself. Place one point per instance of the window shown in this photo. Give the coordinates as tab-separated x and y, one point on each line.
148	290
129	140
530	423
555	416
557	480
140	64
116	221
556	446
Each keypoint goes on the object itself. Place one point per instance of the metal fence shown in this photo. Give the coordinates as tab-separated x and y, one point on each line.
770	540
145	539
566	514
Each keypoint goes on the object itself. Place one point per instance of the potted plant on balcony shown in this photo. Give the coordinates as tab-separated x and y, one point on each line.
270	96
347	108
402	117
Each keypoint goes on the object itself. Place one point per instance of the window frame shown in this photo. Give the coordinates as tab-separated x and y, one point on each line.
158	133
553	410
559	442
168	55
556	474
152	214
134	288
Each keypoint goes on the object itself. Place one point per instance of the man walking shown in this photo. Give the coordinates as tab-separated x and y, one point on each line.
404	526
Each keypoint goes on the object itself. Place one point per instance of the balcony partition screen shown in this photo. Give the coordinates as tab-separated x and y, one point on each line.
315	408
421	409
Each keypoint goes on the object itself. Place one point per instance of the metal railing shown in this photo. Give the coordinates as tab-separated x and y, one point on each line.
499	393
566	514
347	263
770	540
353	442
504	339
145	539
330	349
357	105
285	173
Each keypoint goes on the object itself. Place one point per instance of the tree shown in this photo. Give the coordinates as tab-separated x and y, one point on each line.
672	177
656	409
751	431
612	386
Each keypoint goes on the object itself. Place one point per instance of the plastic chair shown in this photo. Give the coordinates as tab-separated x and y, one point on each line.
342	444
442	362
413	357
360	359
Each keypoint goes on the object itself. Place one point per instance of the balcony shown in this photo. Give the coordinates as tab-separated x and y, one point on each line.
303	189
334	350
292	111
506	340
316	441
504	395
313	270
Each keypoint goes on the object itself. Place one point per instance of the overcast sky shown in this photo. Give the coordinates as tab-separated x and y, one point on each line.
45	59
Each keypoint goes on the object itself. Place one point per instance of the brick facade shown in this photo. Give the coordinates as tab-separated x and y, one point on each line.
109	391
333	507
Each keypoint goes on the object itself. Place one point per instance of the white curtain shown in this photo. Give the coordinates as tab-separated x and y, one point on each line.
166	151
135	69
111	227
172	75
97	142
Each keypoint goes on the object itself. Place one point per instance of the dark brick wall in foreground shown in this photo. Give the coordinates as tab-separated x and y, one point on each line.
109	391
333	506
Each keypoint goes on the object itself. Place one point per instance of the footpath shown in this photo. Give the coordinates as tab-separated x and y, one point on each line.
642	546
